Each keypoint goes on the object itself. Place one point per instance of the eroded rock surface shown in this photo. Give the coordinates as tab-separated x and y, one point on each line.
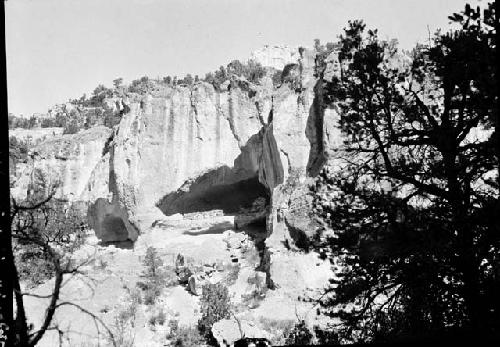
187	150
65	160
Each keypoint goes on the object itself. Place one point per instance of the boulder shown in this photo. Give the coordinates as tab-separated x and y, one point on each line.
110	222
299	218
67	160
192	285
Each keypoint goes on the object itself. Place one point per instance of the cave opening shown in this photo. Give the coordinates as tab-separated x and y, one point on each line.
231	198
246	199
115	232
110	224
114	227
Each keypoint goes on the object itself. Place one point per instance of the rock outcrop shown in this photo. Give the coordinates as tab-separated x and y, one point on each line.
194	149
67	161
276	56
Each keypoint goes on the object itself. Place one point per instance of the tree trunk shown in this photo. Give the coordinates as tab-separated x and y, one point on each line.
6	256
21	325
49	314
467	262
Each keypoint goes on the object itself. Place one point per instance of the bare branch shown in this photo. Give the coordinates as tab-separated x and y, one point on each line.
94	317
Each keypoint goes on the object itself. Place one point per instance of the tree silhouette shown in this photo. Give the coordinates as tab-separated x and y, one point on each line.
50	231
413	211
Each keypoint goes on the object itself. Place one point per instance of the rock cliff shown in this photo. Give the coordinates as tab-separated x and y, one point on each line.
194	149
218	175
65	161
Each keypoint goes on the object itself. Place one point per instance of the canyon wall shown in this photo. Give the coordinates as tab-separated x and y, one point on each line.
63	161
191	149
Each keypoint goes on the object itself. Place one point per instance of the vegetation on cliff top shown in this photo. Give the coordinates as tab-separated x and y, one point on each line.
89	111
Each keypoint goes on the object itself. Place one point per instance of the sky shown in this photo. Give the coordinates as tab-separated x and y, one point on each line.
61	49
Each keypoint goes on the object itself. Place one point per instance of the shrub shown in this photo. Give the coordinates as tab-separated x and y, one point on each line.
188	80
326	336
299	335
215	306
167	80
123	336
184	336
48	123
141	86
124	321
27	259
63	227
278	329
252	71
154	276
150	295
129	310
153	264
18	150
71	127
158	318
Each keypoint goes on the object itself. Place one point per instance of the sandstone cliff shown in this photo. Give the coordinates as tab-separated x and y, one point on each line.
66	161
182	156
192	149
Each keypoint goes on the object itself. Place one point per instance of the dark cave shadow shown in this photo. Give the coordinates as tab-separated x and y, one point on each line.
218	228
221	188
218	189
257	233
256	230
128	244
314	130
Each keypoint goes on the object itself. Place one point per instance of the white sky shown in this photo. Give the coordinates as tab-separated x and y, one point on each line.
60	49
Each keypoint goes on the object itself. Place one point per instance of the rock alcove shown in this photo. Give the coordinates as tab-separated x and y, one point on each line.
110	222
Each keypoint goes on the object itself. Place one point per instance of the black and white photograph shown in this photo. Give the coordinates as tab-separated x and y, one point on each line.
249	173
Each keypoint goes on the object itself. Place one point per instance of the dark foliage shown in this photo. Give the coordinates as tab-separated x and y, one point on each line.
141	86
251	71
182	336
45	233
21	122
18	149
414	209
215	305
299	335
154	276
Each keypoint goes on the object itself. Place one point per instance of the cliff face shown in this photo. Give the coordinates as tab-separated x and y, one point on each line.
191	149
199	149
67	161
